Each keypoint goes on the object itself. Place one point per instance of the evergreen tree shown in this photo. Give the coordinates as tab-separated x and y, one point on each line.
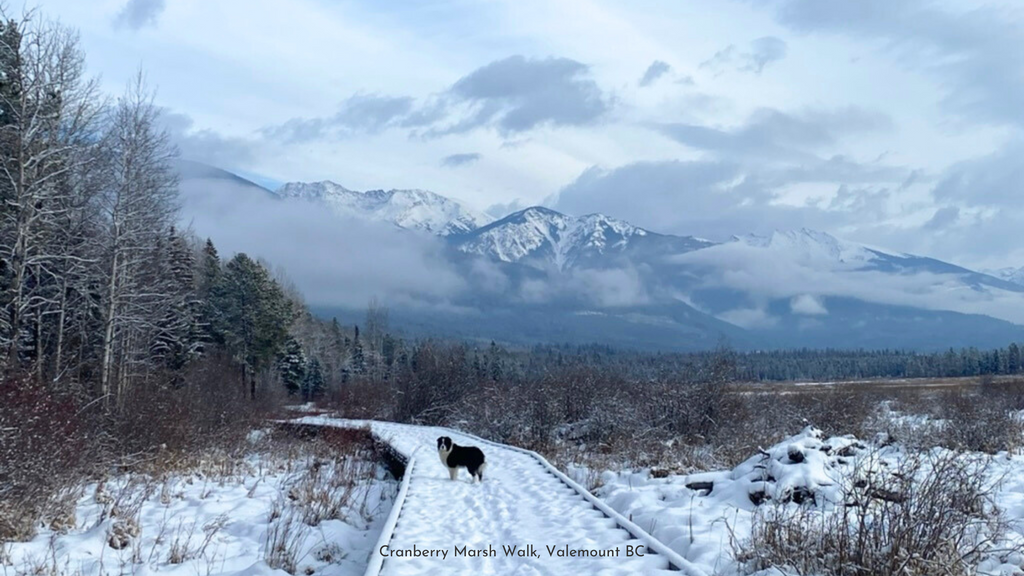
358	360
494	368
10	70
180	332
253	315
291	365
210	269
388	350
10	94
209	276
1013	359
313	384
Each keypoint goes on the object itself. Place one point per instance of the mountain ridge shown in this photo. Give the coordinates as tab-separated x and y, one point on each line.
413	209
1010	274
539	275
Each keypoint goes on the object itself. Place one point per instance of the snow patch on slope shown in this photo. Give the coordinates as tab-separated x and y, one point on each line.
543	233
411	209
1014	275
806	245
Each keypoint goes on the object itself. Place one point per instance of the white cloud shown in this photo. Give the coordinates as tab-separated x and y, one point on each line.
752	318
808	305
139	13
324	255
946	77
770	277
762	52
461	159
656	70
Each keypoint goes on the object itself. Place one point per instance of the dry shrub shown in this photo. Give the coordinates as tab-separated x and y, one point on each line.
173	424
330	488
934	513
282	548
838	410
185	545
52	440
44	448
364	399
688	417
332	470
979	421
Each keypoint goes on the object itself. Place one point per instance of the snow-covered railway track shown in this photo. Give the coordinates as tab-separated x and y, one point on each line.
555	526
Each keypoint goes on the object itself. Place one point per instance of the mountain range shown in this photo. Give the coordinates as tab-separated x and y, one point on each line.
409	209
538	275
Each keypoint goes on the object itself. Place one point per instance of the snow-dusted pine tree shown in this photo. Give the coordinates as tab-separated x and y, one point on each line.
291	365
253	315
179	333
357	363
313	385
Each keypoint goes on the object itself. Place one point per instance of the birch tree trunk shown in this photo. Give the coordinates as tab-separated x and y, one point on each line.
48	122
139	206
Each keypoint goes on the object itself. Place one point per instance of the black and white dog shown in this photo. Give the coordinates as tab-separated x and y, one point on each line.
454	457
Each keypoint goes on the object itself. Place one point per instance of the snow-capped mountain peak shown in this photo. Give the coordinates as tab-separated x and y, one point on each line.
807	245
412	209
313	190
519	235
539	234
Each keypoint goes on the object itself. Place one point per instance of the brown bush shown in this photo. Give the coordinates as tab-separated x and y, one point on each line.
51	440
45	444
978	421
678	419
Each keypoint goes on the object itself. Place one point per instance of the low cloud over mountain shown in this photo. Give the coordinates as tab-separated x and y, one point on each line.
542	275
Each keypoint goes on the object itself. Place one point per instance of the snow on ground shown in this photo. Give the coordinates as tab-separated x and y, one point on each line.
201	525
698	524
704	516
518	504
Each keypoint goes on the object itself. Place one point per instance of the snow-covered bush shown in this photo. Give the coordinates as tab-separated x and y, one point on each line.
304	505
915	514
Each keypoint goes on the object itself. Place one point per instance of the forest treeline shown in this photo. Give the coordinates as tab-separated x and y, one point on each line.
100	294
786	365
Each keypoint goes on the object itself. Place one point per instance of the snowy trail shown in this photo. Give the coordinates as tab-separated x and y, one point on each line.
520	503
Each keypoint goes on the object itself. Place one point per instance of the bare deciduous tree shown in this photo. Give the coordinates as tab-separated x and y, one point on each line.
138	206
49	115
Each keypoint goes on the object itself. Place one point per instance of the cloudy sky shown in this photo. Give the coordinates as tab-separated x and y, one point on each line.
899	124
